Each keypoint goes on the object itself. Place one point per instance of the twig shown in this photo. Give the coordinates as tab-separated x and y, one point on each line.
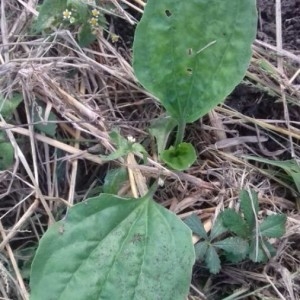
74	172
54	143
13	231
280	68
24	294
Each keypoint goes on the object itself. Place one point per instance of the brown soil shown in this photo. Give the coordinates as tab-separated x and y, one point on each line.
290	23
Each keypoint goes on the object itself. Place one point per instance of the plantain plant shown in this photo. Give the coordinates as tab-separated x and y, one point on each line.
190	55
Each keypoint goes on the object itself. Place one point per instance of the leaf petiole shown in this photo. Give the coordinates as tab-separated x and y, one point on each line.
180	132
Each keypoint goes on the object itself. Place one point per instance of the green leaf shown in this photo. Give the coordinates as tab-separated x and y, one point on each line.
196	225
138	148
196	53
273	226
262	251
235	245
291	167
118	139
123	146
50	125
6	153
25	257
114	180
85	35
235	223
50	9
249	206
212	260
161	128
113	248
217	228
180	157
234	258
200	250
8	106
256	253
81	8
268	247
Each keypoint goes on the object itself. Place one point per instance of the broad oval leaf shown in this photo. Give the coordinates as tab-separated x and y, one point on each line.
113	248
180	157
191	54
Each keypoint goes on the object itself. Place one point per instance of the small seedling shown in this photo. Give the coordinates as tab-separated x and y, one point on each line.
251	236
247	226
71	14
209	246
123	147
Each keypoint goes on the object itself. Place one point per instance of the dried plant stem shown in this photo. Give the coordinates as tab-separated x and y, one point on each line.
24	293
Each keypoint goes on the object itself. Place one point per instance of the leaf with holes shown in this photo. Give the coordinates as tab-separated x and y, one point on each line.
191	54
113	248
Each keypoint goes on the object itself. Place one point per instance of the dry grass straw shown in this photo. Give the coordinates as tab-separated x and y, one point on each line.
93	90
